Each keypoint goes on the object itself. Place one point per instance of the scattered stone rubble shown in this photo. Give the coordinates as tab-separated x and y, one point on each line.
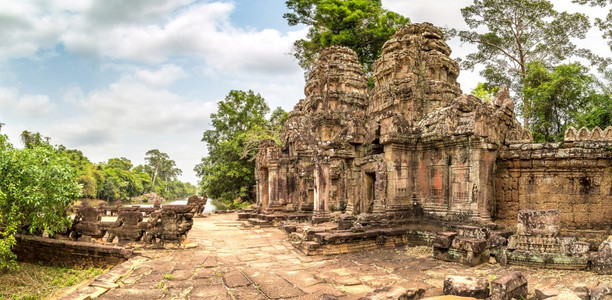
413	157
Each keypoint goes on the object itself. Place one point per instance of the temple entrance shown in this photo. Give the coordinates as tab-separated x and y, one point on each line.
370	195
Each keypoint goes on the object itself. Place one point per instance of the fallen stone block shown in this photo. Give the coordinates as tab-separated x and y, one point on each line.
469	244
600	292
466	286
444	239
508	286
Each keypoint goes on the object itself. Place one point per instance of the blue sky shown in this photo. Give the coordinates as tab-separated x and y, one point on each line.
116	78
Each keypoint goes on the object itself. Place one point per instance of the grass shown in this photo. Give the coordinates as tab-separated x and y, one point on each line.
32	281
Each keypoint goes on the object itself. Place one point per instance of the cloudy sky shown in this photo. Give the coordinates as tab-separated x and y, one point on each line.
116	78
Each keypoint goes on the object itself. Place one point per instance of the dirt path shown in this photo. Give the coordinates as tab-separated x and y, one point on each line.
234	262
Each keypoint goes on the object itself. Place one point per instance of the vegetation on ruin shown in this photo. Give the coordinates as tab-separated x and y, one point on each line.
240	123
362	25
37	187
31	281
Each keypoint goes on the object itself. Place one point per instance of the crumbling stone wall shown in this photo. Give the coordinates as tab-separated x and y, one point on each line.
573	176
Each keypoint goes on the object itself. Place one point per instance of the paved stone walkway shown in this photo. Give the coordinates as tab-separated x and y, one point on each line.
236	262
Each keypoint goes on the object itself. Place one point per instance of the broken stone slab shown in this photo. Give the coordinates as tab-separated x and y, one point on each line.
545	293
444	239
508	286
466	286
395	293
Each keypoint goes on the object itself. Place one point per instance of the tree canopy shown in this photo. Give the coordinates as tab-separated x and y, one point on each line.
227	173
510	34
362	25
566	95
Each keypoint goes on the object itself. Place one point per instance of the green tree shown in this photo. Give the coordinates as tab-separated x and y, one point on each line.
120	163
227	173
37	186
510	34
31	139
362	25
484	91
159	165
563	96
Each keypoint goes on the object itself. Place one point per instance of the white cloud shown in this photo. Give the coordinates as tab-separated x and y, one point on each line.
164	77
145	31
8	97
34	105
138	103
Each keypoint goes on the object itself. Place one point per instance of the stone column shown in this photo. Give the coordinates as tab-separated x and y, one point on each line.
485	192
321	192
273	199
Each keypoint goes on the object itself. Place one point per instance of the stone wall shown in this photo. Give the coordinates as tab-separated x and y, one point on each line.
573	176
35	249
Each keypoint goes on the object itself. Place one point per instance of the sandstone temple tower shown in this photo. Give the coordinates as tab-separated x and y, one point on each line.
414	146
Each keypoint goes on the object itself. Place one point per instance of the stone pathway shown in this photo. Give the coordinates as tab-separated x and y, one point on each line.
236	262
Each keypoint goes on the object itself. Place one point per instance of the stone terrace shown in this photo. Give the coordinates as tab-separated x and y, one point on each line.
236	262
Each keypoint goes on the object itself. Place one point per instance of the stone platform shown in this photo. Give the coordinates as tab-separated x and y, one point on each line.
236	262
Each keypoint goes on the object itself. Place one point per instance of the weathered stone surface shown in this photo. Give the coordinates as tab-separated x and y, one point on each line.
538	222
466	286
508	286
444	239
87	222
600	292
545	293
469	244
197	204
395	293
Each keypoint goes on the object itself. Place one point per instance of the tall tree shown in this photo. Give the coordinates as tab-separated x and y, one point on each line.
155	163
362	25
512	33
226	174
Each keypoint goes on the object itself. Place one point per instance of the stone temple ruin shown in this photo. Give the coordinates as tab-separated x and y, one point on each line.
414	157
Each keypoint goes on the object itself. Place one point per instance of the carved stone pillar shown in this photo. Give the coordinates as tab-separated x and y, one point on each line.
321	192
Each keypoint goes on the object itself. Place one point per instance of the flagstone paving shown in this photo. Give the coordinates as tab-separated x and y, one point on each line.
232	261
